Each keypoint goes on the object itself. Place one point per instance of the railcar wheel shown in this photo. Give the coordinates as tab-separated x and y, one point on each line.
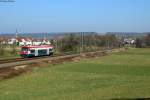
24	56
51	53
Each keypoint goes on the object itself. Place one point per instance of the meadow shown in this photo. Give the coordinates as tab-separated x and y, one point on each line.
9	51
115	76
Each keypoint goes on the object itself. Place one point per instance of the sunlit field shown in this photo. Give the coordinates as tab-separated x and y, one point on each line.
120	75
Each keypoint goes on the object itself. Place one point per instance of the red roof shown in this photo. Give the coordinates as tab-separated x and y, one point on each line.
4	39
25	38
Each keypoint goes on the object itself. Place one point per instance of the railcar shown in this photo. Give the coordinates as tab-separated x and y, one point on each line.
35	51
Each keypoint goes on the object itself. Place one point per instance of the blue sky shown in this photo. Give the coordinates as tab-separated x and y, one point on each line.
75	16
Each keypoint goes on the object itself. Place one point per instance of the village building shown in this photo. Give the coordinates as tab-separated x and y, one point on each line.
23	41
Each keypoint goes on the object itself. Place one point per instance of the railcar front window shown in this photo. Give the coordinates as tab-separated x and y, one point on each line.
24	49
50	50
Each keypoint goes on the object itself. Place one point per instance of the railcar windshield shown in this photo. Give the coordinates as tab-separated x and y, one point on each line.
50	49
24	49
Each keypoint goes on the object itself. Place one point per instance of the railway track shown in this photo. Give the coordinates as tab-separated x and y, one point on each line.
3	61
21	61
17	59
9	60
26	59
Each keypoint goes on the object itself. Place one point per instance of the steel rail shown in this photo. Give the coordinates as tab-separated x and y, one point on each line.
23	61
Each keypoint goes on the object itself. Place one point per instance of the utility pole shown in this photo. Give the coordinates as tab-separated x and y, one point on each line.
108	44
56	45
16	33
16	36
82	41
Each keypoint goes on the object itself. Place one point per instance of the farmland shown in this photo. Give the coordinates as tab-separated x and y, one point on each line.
119	75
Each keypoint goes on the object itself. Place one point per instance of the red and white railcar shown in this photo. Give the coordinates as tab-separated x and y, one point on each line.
34	51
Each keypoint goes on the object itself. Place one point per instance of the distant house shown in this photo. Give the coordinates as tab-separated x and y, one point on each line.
12	41
28	41
3	40
22	41
132	41
129	41
25	41
46	42
36	42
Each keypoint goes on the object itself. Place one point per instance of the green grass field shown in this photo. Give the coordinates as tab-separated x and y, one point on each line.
8	53
8	56
120	75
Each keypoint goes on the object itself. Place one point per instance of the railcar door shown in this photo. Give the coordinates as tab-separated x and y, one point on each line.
36	52
32	52
47	51
51	51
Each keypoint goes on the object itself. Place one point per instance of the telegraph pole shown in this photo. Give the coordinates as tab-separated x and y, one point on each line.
16	36
108	44
81	42
16	33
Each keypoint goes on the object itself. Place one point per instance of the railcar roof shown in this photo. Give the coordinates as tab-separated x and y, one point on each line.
41	46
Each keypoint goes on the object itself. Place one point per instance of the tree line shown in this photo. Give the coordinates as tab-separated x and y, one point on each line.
143	42
82	43
85	42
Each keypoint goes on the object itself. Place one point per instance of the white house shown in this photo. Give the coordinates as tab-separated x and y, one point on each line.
36	42
22	41
133	41
129	41
12	41
28	41
3	40
45	41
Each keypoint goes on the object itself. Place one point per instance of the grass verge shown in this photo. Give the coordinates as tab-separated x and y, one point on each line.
120	75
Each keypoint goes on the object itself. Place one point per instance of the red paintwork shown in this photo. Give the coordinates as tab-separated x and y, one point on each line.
29	47
23	52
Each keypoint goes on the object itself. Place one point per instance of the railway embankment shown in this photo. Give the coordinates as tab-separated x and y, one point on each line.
12	69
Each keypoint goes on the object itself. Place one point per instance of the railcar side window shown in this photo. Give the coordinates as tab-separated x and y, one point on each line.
32	51
42	52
